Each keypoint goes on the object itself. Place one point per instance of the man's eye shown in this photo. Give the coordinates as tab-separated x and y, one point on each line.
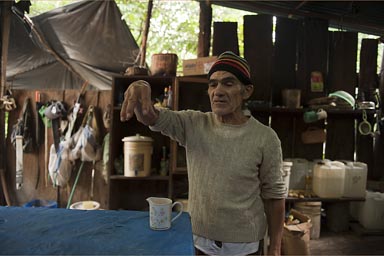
212	84
228	82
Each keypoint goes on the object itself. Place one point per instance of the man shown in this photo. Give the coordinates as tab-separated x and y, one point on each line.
234	162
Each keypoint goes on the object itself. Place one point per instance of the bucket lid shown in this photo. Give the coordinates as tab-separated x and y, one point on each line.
137	138
85	205
287	163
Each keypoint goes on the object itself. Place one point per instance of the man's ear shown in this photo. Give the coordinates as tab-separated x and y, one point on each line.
248	90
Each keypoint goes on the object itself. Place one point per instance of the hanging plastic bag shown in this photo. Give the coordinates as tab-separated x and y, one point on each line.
88	148
60	165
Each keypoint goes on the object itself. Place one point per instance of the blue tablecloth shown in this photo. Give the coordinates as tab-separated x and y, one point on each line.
26	231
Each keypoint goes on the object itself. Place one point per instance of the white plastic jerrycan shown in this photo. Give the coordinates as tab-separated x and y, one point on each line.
160	212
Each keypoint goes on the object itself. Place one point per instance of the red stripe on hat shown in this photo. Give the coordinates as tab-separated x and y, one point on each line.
235	64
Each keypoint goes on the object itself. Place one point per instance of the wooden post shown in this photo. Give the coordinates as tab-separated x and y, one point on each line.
145	33
341	76
205	21
6	21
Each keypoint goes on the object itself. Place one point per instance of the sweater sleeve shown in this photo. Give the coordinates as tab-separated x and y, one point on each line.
173	124
271	174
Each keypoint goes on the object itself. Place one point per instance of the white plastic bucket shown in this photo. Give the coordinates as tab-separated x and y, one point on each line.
313	211
299	169
137	156
286	167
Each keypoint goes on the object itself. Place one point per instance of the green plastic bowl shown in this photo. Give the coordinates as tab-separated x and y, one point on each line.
345	96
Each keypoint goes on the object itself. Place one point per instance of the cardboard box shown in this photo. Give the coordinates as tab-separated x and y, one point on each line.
199	66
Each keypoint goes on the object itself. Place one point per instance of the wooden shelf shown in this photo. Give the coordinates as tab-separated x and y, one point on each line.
300	111
180	171
152	177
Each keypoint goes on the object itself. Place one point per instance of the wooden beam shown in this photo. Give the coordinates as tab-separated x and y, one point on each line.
6	21
205	22
143	49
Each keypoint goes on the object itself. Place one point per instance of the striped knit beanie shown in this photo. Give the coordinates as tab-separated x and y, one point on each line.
228	61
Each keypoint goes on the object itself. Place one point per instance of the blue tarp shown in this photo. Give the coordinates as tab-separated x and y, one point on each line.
47	231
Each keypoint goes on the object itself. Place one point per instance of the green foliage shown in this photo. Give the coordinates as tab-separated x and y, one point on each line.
40	6
174	25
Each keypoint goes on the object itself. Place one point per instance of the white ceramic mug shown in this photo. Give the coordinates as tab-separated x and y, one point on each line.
160	212
321	114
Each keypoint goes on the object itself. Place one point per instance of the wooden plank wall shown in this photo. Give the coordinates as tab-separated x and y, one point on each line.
225	38
312	54
32	160
284	77
258	52
341	76
300	47
368	81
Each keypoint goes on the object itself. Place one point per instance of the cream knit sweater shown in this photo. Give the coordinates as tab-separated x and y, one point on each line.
230	169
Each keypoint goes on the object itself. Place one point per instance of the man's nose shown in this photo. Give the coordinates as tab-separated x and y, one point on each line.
219	90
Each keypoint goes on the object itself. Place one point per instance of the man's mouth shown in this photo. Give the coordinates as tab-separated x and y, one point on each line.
219	101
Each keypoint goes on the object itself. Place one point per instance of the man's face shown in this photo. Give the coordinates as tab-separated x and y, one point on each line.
226	94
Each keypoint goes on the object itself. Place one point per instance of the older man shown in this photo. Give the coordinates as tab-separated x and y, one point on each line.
236	188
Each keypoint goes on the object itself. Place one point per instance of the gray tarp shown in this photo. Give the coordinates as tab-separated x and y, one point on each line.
89	35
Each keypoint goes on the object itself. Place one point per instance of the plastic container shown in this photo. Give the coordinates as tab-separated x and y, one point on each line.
313	211
41	203
328	179
291	98
298	171
355	180
286	167
371	211
137	156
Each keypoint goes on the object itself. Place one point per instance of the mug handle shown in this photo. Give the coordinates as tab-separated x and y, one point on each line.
180	212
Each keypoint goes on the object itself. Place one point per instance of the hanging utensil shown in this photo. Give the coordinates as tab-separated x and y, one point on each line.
365	127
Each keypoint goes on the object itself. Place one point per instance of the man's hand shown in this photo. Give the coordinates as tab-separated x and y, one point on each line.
137	99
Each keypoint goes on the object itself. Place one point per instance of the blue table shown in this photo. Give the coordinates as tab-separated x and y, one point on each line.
27	231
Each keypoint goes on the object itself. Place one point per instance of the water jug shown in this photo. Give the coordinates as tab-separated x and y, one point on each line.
328	179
